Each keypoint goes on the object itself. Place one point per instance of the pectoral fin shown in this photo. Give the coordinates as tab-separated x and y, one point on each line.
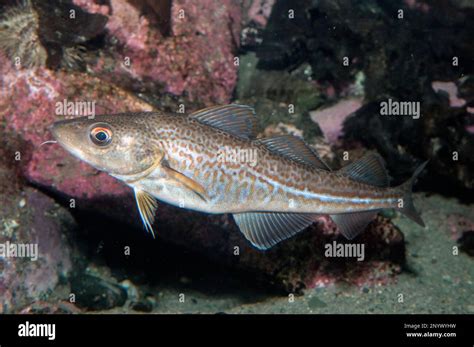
147	207
187	182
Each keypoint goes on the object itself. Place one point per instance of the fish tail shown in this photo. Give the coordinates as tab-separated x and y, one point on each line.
408	208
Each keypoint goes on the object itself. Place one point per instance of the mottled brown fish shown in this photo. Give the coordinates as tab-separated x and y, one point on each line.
211	161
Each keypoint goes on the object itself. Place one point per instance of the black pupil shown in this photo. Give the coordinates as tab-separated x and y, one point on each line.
101	136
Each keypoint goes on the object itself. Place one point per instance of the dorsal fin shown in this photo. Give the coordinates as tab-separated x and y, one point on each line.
239	120
369	169
294	148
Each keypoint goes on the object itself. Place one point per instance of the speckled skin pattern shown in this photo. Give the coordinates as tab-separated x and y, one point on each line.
142	142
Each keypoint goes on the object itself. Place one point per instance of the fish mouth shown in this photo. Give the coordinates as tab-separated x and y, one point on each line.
52	130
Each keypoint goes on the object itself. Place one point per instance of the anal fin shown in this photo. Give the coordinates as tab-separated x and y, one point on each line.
266	229
352	224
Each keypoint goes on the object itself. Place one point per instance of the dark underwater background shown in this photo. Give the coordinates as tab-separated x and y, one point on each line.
317	69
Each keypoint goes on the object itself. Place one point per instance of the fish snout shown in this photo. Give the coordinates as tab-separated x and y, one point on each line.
67	134
61	130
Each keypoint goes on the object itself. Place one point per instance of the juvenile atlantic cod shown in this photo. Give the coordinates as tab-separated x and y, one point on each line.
184	160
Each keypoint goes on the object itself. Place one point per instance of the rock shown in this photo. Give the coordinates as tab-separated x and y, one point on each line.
466	242
158	49
458	224
451	90
319	35
258	12
255	15
36	94
29	219
281	99
96	293
440	134
142	305
137	301
49	39
133	293
330	119
42	307
138	55
30	106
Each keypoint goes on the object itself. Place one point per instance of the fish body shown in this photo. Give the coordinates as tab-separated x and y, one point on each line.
211	161
235	187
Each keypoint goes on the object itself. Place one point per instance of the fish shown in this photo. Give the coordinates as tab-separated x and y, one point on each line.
194	161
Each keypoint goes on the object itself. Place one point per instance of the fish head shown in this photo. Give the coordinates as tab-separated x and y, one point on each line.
117	144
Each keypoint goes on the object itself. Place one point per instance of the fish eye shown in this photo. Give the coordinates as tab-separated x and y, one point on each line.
101	135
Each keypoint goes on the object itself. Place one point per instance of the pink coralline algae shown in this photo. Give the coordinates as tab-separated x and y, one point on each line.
196	60
330	119
452	90
458	224
260	11
418	5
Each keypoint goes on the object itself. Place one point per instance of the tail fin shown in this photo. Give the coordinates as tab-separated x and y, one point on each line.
408	208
